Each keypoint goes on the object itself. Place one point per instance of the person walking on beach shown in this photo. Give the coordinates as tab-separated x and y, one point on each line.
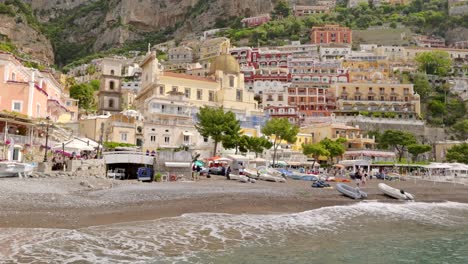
364	179
358	178
228	171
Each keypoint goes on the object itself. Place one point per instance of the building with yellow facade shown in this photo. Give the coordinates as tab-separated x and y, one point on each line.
367	71
391	99
225	87
315	133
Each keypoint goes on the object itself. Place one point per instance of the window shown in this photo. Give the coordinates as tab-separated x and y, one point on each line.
370	98
187	92
123	137
68	103
13	76
111	103
112	72
153	138
231	81
205	139
280	98
111	85
199	94
161	89
382	90
357	97
211	96
17	106
186	139
239	95
174	88
167	139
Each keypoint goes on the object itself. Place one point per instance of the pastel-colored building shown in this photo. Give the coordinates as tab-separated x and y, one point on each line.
181	54
429	41
303	10
399	99
33	93
331	34
225	87
312	134
284	111
334	51
367	71
256	20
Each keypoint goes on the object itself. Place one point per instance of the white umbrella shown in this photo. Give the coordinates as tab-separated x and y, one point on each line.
73	145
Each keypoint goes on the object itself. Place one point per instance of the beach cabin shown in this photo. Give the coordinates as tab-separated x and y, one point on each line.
238	163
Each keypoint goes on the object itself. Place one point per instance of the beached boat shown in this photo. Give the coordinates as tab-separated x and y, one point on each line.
240	178
267	174
394	192
13	169
351	192
251	173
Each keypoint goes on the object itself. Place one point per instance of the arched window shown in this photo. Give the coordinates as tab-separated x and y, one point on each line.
231	81
112	72
13	76
111	85
111	103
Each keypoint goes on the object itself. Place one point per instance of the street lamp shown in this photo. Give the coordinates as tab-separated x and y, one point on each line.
46	139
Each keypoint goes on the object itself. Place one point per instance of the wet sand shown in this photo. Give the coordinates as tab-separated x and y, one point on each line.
65	203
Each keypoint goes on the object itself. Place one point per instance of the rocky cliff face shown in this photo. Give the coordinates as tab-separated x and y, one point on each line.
80	27
26	39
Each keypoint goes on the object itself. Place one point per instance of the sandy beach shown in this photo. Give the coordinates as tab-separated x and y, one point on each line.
65	203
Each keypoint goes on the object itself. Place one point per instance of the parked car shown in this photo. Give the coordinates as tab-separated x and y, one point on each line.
145	174
118	174
216	170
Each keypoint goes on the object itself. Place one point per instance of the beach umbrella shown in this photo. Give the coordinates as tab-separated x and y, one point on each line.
199	163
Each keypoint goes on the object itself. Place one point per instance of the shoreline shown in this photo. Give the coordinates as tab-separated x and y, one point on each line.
67	204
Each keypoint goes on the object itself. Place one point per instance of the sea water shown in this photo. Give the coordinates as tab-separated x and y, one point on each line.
366	232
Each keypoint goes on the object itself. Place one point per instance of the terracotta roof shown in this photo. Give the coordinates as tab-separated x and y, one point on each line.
186	76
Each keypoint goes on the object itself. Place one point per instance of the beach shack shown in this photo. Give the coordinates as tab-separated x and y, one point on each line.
357	164
238	162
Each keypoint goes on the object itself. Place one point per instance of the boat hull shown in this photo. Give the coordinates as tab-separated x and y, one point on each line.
350	192
394	192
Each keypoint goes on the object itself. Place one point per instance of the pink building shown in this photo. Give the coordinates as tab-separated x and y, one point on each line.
256	20
32	93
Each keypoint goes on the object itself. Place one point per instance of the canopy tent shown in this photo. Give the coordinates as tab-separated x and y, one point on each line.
213	158
75	145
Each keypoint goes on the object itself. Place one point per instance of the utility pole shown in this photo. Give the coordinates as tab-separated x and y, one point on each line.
100	141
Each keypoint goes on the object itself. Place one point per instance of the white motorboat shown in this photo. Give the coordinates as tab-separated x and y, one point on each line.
13	169
394	192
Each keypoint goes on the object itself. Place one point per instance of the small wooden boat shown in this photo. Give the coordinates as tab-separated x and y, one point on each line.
394	192
351	192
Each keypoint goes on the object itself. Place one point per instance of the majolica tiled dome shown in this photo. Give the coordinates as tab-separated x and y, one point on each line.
225	63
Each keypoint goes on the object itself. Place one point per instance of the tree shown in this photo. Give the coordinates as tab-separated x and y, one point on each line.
95	84
212	123
281	10
458	153
417	149
282	130
398	140
232	133
421	85
335	148
434	62
257	144
460	129
84	93
316	150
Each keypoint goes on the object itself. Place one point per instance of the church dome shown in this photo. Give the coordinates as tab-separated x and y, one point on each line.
225	63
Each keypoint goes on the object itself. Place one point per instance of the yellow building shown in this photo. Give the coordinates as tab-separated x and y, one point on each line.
115	128
315	133
441	148
225	87
367	71
398	99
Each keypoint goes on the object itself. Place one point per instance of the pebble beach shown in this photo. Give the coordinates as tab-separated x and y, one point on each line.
82	202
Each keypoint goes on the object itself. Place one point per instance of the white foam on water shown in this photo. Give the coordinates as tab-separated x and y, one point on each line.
181	238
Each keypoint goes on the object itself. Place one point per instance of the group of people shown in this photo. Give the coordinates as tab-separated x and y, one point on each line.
361	177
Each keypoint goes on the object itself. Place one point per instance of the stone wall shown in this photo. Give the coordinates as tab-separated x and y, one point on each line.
75	168
170	156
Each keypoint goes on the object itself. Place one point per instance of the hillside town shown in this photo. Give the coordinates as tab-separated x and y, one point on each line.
233	131
328	87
